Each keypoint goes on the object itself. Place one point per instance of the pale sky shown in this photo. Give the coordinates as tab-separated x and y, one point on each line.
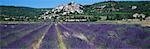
49	3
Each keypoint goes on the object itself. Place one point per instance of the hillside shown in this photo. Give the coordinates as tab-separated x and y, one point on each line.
20	11
120	7
125	8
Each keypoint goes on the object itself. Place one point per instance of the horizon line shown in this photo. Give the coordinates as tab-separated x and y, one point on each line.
66	3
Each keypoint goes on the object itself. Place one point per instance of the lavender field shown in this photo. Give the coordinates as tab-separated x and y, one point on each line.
74	36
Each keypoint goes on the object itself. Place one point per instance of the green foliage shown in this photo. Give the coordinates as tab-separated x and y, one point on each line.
122	9
20	11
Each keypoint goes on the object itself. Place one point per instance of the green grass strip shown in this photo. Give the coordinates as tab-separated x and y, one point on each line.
59	37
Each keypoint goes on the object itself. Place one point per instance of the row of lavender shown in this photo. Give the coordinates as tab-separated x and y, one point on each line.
23	36
101	36
75	36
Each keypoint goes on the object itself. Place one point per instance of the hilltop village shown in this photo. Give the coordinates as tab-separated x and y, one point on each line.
74	12
63	11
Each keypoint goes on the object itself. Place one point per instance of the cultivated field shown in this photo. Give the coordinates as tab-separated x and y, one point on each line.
74	35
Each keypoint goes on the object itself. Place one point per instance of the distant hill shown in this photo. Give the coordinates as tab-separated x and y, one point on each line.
20	11
118	7
97	9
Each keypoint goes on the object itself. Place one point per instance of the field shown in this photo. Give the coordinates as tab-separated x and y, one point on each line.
74	36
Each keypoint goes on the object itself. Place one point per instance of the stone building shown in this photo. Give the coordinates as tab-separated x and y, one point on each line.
136	15
68	8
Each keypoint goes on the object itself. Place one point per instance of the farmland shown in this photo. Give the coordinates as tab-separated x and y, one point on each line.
77	35
75	25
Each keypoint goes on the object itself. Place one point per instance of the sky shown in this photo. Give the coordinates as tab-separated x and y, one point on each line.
50	3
